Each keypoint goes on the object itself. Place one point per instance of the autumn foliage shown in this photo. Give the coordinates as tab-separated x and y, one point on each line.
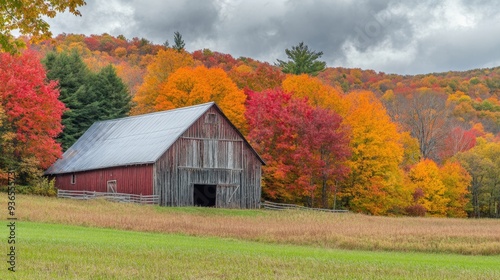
304	146
31	116
317	93
456	181
439	191
375	181
483	165
257	77
190	86
354	139
165	63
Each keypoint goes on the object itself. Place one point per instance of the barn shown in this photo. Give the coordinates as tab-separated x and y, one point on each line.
187	156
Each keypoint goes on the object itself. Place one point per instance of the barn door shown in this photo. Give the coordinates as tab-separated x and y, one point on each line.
228	196
111	186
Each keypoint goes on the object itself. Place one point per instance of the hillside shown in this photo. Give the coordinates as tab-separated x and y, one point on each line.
369	142
131	57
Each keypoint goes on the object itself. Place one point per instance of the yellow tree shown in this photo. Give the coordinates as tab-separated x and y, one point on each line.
190	86
411	150
428	189
27	17
483	165
374	184
456	180
317	93
165	63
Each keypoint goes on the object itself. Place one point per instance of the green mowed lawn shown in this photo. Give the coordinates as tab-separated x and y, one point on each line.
54	251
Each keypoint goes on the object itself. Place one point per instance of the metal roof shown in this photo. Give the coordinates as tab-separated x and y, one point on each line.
128	141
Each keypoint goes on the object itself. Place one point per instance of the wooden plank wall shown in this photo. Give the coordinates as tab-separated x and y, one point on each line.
129	179
209	152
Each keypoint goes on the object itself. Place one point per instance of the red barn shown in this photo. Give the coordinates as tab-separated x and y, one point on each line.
187	156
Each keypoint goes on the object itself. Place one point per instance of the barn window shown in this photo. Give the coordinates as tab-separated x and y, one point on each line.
73	178
111	184
211	118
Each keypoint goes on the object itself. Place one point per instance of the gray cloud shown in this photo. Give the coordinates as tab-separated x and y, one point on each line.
158	20
405	37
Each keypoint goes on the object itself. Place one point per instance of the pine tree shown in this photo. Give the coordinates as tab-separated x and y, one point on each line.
115	100
303	61
72	74
178	42
103	97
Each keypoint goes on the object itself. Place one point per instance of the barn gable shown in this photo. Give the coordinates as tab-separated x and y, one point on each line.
210	152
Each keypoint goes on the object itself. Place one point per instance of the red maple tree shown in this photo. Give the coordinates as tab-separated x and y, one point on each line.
304	147
32	111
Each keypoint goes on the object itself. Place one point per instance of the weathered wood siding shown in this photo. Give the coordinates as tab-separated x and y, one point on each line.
210	152
129	179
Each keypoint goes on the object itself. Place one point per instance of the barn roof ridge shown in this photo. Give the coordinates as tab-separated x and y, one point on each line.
132	140
158	112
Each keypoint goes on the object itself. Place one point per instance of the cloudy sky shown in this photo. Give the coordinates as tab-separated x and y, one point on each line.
404	37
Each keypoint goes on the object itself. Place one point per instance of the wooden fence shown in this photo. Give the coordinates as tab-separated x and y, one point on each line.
117	197
283	206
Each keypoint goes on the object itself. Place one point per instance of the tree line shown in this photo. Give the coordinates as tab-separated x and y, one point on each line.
380	147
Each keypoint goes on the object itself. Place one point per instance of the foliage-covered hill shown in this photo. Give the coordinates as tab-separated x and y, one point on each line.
422	144
475	92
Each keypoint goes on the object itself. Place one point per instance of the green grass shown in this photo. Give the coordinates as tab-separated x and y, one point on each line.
53	251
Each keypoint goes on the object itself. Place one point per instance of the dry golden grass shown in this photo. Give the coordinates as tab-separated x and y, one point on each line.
346	231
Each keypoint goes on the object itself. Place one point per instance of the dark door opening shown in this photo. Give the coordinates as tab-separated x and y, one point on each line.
204	195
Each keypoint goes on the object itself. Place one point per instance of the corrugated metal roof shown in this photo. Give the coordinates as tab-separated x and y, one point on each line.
128	141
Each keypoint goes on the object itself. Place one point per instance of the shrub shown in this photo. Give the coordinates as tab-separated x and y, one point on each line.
45	187
416	210
42	186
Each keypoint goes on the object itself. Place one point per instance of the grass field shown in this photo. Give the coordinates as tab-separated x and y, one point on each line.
324	230
70	239
52	251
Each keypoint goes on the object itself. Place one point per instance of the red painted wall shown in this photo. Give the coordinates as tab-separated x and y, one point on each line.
129	179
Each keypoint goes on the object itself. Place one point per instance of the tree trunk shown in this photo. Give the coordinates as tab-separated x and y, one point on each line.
324	194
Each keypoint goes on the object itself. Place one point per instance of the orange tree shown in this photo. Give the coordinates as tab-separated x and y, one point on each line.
257	78
374	184
190	86
317	93
165	63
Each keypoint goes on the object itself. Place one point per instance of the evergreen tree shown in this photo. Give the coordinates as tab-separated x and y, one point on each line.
89	96
178	42
89	110
114	98
303	61
72	74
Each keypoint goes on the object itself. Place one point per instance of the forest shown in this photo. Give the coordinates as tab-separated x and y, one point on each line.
331	137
